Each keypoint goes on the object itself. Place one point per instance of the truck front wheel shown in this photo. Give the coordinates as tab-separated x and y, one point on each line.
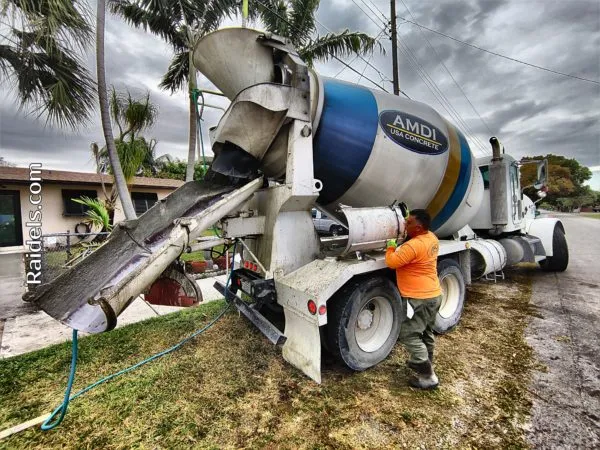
453	295
364	322
559	261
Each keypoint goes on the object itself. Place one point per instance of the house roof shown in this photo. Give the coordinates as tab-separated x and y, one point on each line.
21	175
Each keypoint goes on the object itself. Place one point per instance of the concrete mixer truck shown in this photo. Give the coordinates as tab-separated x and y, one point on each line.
292	140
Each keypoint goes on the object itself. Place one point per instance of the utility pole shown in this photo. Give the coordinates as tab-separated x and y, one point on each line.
394	48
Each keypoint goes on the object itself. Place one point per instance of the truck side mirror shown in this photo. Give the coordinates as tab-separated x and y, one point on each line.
542	174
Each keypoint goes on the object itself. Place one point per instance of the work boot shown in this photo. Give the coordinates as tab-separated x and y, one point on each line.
414	366
425	378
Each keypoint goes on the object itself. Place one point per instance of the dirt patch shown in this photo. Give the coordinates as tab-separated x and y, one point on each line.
230	388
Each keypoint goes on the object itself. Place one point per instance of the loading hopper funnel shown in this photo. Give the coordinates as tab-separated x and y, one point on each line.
234	59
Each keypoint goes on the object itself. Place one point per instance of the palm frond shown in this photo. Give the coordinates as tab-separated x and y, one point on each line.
274	15
302	18
66	20
131	155
214	12
139	114
338	45
158	17
97	212
49	78
177	74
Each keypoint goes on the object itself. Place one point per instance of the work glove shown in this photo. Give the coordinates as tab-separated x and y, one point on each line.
391	243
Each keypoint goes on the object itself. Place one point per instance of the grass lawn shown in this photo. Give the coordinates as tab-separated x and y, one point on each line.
591	215
230	388
199	255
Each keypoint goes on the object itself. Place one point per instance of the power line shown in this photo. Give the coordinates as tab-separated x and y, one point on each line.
357	55
439	95
427	79
437	92
500	55
385	20
383	77
449	73
381	74
366	14
380	12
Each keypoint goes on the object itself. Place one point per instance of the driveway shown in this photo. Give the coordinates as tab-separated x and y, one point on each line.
12	287
566	338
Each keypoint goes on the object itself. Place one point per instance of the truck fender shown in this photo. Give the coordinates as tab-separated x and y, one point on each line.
543	229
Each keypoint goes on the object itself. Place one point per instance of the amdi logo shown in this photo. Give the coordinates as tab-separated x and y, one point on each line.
413	133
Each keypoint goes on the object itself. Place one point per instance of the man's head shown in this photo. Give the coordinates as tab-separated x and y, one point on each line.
418	222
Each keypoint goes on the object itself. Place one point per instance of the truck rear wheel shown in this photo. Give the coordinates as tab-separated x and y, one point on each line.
453	295
559	261
364	322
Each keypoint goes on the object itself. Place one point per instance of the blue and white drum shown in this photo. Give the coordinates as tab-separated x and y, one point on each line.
372	148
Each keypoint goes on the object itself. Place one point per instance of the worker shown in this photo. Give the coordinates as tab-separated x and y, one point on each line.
415	262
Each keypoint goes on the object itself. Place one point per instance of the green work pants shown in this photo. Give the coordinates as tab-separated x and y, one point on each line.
416	334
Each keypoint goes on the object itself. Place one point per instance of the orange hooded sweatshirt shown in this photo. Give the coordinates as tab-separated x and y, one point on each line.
415	262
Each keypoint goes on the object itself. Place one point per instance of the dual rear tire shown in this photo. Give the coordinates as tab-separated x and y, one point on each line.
365	316
454	290
364	322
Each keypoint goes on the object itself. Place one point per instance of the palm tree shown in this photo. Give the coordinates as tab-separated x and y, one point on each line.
295	20
98	213
181	23
131	115
113	156
136	154
40	53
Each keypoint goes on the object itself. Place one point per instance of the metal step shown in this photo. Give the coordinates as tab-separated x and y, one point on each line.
267	328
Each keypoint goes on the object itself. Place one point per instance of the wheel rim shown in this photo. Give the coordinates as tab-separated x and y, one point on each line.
450	296
374	324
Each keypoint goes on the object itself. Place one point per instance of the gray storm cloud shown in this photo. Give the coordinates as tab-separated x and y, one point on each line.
533	111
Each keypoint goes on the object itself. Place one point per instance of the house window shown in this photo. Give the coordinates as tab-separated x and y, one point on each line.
72	208
143	201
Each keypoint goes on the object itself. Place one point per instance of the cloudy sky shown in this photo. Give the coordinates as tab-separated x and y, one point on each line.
532	111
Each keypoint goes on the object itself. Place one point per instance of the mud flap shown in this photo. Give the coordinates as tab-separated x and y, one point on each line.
174	287
303	345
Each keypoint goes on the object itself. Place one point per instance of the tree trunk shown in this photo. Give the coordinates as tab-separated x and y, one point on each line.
189	173
113	156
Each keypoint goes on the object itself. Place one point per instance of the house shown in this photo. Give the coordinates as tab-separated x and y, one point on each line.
36	202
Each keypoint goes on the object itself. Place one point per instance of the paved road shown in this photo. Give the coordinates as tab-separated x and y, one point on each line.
566	339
